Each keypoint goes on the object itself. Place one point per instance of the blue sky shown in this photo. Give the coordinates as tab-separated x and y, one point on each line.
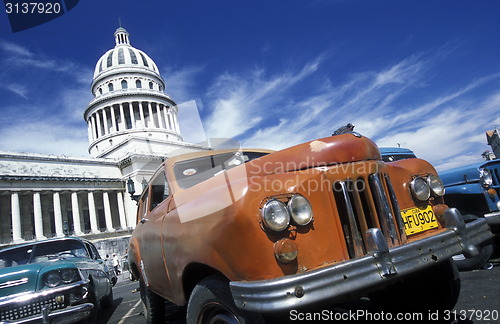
425	74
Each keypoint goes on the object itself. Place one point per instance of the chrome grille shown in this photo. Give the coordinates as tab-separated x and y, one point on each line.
368	202
495	174
28	308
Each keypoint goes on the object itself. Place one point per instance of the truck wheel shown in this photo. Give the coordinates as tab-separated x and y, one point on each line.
468	264
211	302
154	305
485	252
434	289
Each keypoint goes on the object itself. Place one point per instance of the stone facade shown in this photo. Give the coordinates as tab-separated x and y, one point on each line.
132	128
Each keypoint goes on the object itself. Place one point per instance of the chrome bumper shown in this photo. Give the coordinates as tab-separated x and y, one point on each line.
357	277
493	219
70	314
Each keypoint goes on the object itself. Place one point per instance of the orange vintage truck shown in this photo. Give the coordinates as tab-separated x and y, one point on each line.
234	234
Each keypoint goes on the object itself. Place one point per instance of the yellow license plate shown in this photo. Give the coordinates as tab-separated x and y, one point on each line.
417	219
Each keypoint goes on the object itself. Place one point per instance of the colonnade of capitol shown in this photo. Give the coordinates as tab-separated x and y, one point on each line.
78	207
132	127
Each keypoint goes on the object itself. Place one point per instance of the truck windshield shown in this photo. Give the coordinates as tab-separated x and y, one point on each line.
191	172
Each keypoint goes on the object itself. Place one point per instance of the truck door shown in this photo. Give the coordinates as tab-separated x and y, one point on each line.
154	209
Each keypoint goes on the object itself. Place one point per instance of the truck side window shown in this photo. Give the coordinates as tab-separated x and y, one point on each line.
159	189
144	204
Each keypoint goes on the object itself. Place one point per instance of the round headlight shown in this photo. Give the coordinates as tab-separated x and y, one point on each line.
275	215
53	279
420	189
436	185
300	209
69	275
486	178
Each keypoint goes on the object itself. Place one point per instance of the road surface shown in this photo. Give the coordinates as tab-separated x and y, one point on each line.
479	302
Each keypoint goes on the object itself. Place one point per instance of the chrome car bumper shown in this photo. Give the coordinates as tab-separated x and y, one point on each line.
48	305
360	276
493	219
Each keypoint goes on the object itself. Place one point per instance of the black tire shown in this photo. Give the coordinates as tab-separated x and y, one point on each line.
154	305
477	262
434	289
485	252
92	319
107	301
211	302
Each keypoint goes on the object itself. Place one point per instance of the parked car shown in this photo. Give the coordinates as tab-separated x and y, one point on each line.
473	190
237	234
60	280
392	154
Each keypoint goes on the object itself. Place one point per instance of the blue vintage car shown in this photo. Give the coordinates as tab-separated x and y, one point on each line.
391	154
59	280
474	190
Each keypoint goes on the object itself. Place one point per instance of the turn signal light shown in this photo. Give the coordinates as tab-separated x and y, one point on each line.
285	250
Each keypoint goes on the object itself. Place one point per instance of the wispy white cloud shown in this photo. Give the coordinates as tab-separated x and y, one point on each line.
179	83
15	49
18	56
271	110
54	92
253	102
241	102
384	104
18	89
44	137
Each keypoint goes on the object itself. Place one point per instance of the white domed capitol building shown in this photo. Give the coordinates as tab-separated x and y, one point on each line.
132	128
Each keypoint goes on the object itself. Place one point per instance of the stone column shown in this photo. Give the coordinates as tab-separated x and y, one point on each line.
151	123
123	122
107	212
141	114
89	131
158	115
113	119
37	209
94	127
167	118
164	116
132	115
58	215
77	227
161	117
171	121
121	210
92	213
99	128
105	121
16	218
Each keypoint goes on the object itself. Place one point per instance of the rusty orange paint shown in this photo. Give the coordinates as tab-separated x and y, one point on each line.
216	225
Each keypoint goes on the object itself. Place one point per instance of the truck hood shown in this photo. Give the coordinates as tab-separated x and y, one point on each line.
349	147
465	174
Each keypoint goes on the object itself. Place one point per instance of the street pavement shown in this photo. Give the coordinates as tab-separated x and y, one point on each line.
479	301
